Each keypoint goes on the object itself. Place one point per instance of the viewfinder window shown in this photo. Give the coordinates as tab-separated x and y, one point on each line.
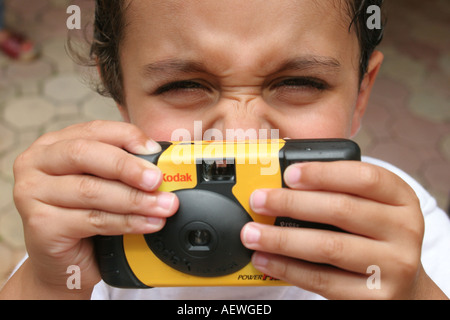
218	170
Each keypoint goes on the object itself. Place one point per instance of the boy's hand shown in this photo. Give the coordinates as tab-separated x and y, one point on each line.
380	212
80	182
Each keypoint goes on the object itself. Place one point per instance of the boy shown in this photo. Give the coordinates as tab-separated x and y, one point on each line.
303	67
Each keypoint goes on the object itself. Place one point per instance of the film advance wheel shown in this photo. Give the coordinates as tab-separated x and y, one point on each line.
203	237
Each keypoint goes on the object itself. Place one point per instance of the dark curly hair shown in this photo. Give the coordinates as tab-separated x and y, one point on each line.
109	28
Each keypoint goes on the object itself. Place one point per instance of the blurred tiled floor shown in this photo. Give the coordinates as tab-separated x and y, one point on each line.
407	123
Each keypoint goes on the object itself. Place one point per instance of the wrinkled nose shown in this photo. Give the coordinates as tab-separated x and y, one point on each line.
243	119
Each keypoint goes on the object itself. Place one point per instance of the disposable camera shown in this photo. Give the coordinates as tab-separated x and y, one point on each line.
200	245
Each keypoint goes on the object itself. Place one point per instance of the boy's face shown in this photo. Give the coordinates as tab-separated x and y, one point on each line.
290	65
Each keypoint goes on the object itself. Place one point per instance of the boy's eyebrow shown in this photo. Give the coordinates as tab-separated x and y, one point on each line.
320	63
177	66
170	66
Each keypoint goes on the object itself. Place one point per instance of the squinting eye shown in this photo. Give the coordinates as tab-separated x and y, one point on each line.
300	83
180	86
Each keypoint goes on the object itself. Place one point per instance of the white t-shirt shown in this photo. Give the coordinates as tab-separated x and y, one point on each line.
435	260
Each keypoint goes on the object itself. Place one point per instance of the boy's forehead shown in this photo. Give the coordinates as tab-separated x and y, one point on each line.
297	25
241	11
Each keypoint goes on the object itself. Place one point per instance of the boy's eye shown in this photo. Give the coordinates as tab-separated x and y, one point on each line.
187	85
296	91
303	83
185	93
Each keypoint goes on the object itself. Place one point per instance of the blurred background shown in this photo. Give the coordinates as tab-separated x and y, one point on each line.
407	122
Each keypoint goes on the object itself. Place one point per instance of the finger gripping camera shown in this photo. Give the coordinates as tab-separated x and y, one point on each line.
200	245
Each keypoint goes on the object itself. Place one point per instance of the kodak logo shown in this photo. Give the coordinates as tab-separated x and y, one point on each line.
177	177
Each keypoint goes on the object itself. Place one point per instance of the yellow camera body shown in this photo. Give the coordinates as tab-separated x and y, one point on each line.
200	245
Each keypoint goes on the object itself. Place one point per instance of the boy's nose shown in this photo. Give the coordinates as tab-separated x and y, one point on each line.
244	119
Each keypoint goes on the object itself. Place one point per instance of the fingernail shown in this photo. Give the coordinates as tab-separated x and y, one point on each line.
259	260
258	200
251	234
292	175
156	222
150	179
165	201
152	146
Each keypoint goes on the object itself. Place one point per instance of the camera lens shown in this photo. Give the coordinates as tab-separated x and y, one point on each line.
199	238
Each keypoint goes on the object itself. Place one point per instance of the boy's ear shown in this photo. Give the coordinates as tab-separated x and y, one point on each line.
375	61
